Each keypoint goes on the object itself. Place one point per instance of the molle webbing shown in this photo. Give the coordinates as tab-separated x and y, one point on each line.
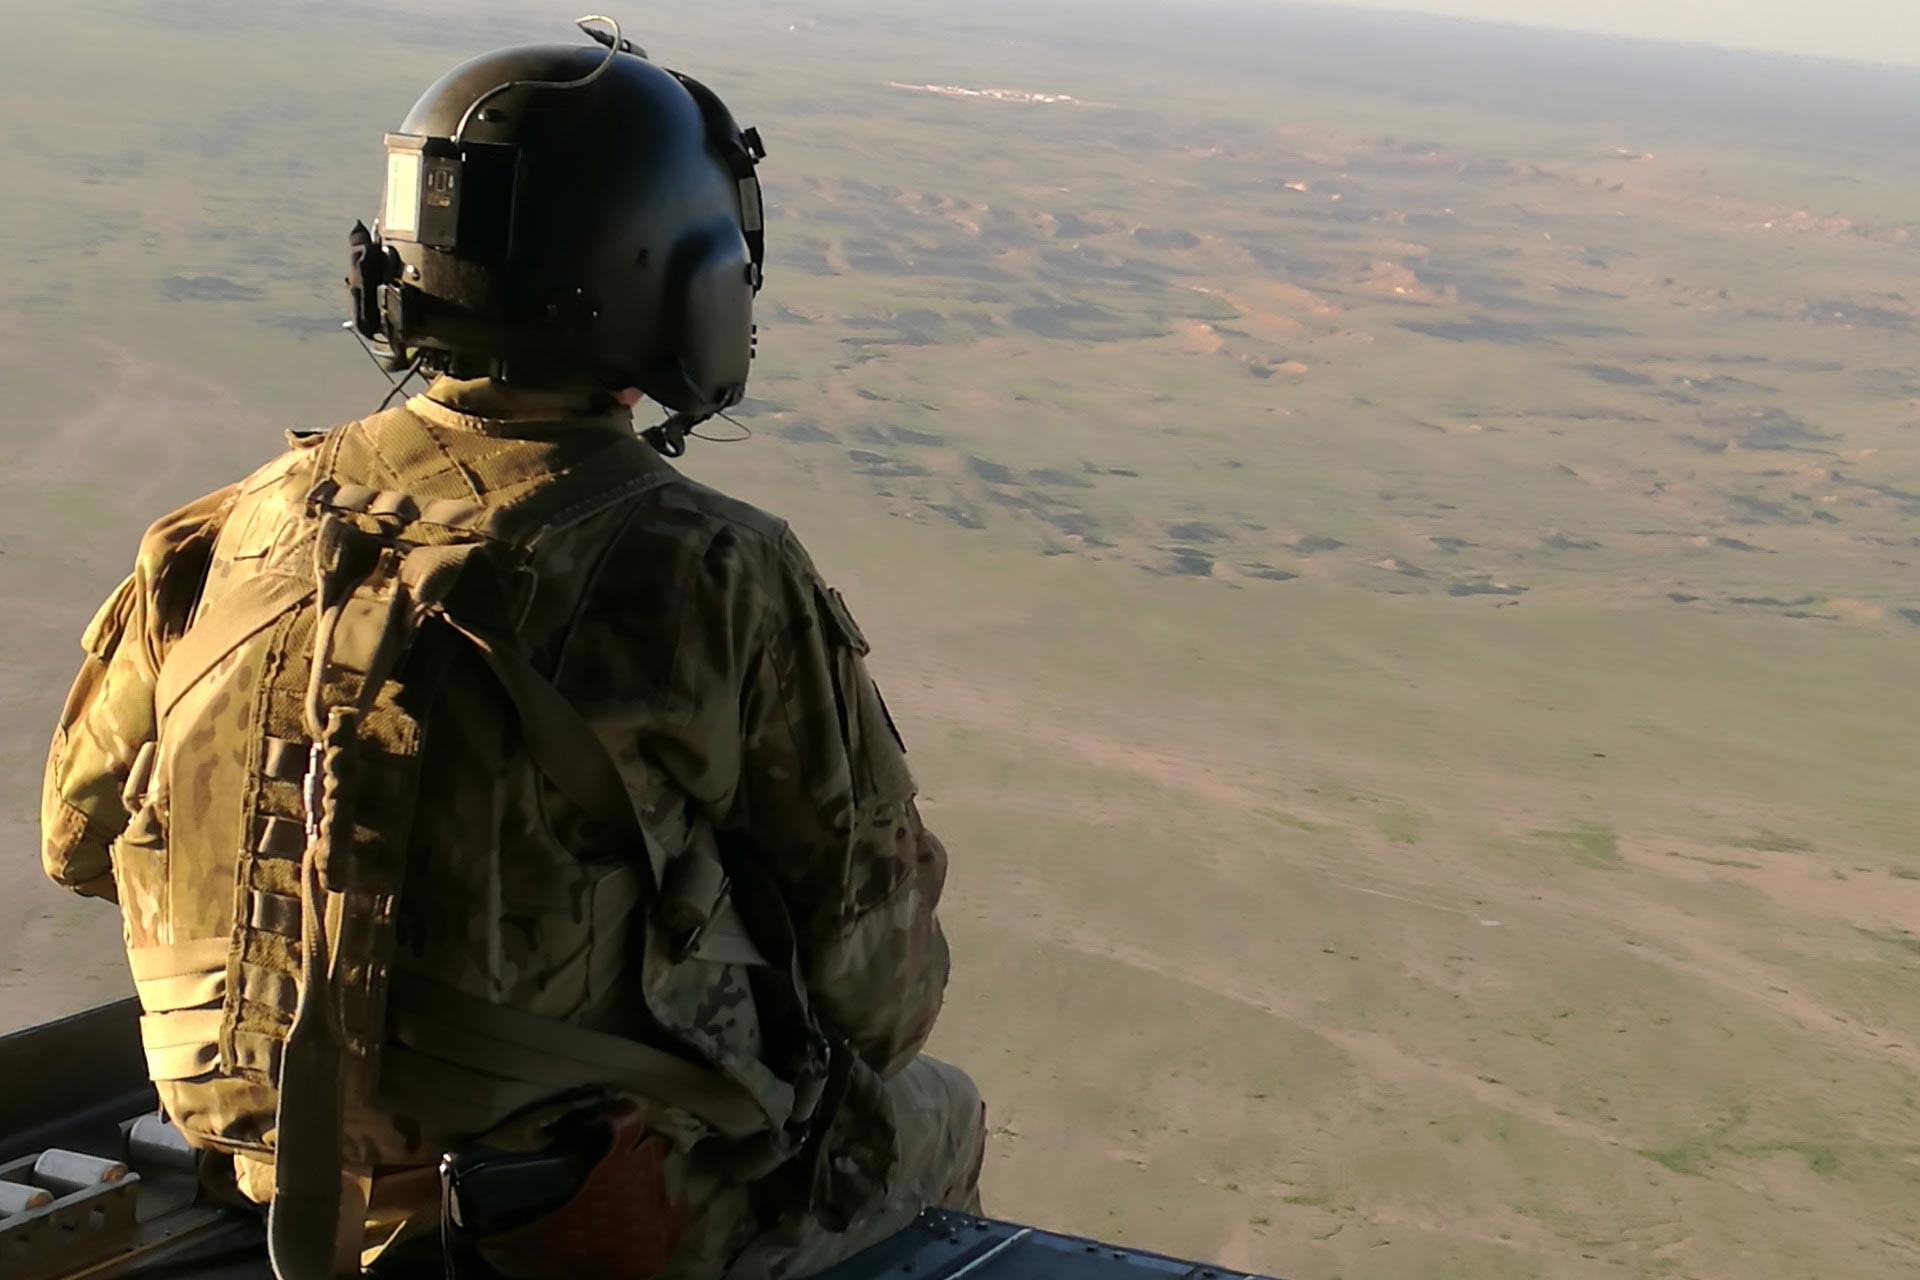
180	1034
304	1226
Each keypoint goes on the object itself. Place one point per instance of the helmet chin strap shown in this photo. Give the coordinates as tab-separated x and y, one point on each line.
669	439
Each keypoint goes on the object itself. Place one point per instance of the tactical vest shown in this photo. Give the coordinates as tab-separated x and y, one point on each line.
303	717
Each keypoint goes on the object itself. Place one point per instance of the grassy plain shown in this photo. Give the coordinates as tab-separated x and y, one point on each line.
1392	544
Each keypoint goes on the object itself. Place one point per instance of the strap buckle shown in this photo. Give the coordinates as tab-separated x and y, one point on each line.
311	787
133	793
811	1086
683	947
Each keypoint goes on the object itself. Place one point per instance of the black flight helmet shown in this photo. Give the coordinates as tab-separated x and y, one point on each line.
560	212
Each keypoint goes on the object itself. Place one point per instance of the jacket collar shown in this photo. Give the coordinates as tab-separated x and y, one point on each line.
480	404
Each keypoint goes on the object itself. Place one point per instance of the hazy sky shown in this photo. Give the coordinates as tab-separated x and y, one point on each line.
1876	30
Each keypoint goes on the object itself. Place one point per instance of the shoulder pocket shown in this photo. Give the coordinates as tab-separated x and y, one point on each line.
833	607
875	752
102	635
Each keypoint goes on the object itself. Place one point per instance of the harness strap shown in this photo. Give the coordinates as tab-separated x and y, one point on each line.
690	893
253	604
460	1098
457	1030
439	1033
561	742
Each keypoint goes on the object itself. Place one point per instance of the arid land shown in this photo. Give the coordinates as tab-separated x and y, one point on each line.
1392	544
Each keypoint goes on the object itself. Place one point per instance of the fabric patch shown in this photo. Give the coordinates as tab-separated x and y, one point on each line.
834	606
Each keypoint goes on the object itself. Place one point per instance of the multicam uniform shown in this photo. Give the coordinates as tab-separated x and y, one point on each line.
727	680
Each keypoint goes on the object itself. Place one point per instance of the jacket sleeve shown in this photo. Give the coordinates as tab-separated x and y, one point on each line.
827	801
109	714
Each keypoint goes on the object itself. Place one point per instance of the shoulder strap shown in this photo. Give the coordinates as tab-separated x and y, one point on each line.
228	623
563	746
688	893
526	1054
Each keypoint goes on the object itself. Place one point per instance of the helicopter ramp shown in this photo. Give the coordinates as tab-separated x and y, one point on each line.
95	1184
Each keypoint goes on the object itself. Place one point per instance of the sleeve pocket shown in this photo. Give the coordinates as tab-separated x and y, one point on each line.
875	752
102	635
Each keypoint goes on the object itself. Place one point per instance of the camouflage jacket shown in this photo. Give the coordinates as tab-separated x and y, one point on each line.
704	647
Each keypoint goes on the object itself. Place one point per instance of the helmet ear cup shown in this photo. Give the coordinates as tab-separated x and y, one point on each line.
709	309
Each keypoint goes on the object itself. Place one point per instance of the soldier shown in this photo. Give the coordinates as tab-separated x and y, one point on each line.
473	784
